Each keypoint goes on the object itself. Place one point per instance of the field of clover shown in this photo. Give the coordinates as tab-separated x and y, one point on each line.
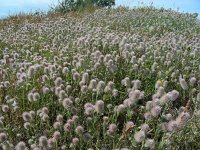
115	79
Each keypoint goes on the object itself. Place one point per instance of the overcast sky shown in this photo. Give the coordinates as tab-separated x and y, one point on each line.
8	7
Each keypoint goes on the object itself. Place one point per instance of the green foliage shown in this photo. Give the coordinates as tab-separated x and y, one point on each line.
74	5
105	3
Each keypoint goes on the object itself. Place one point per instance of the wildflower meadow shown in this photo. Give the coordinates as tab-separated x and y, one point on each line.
112	79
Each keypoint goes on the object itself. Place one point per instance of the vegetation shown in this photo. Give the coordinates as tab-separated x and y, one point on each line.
112	79
75	5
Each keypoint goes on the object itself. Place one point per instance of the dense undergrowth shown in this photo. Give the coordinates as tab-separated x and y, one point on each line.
108	79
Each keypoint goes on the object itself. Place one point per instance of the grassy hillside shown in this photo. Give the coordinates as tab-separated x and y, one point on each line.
104	79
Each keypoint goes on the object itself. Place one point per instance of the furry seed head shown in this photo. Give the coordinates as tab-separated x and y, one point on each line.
183	84
121	108
160	91
112	129
134	96
27	116
149	105
198	97
145	127
75	141
57	125
5	108
56	135
59	118
27	125
148	116
174	95
93	84
164	99
20	146
85	78
99	106
182	119
158	84
36	96
58	81
67	103
79	130
3	137
155	111
43	142
139	136
100	87
114	92
86	137
51	142
168	116
149	143
172	126
193	80
67	127
137	84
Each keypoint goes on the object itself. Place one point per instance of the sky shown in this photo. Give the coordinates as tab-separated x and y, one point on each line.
9	7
